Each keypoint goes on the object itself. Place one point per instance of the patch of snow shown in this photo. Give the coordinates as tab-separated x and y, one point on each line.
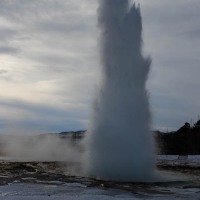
54	192
19	191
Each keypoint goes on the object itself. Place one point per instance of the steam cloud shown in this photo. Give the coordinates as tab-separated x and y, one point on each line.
120	143
41	148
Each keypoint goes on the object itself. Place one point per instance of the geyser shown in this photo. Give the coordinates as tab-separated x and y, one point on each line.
120	143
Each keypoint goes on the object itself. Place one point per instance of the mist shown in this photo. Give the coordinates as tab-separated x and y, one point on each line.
46	147
119	142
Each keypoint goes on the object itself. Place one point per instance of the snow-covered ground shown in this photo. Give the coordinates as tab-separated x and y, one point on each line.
19	191
195	158
56	191
33	188
192	161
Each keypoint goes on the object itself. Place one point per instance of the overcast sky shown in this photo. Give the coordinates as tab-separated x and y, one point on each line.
49	64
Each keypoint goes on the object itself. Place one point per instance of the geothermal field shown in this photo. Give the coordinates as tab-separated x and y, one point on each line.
116	157
56	180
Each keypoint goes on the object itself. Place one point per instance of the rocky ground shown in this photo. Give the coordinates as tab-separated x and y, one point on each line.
59	173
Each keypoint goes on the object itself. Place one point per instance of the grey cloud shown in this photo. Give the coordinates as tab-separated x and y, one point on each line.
171	111
52	26
43	9
38	126
46	118
12	10
8	50
52	60
64	27
169	18
193	34
3	123
7	34
3	71
56	40
46	126
41	109
171	30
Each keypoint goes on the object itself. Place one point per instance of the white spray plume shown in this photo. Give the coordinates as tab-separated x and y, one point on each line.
120	143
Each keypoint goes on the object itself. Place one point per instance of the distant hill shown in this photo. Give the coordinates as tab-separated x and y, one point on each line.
184	141
73	136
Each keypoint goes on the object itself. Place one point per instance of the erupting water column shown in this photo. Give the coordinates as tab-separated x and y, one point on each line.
120	143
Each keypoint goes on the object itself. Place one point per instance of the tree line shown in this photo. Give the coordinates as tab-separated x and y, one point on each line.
184	141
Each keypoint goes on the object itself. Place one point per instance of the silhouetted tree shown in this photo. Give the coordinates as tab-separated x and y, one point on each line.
184	141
